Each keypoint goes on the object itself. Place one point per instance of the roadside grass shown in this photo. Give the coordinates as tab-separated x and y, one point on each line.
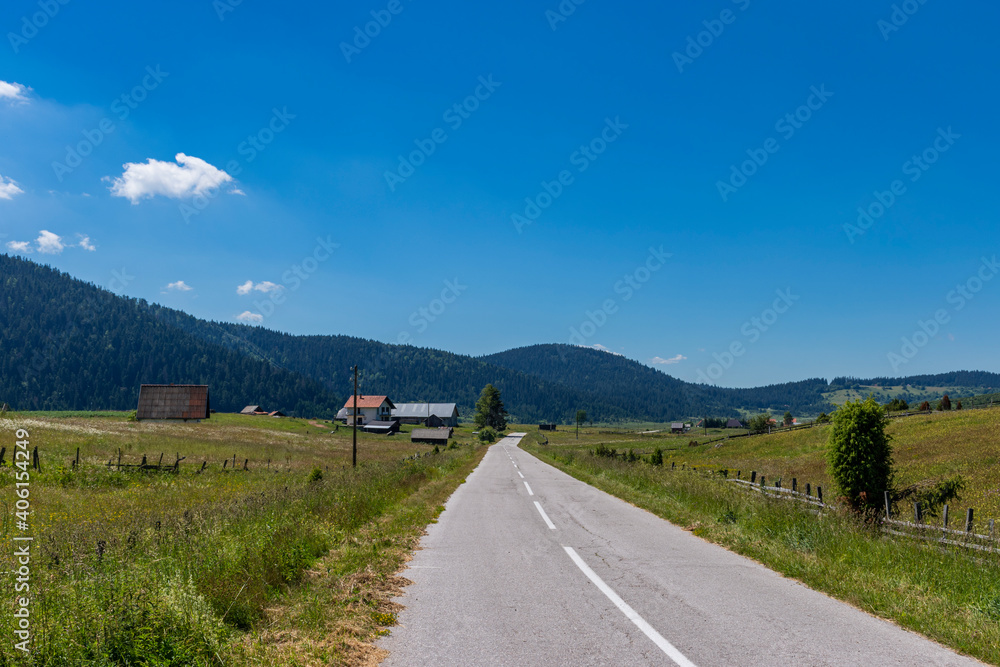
191	568
947	594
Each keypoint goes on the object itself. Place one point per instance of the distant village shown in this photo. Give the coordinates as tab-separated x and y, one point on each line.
371	414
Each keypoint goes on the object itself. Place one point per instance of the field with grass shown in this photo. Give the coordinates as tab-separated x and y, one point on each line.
947	593
928	447
290	561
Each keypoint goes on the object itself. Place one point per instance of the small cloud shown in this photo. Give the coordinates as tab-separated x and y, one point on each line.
19	246
85	243
672	360
180	286
265	287
49	243
247	316
187	177
701	349
237	191
8	188
13	92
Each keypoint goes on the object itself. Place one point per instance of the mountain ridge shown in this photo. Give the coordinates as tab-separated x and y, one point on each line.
68	344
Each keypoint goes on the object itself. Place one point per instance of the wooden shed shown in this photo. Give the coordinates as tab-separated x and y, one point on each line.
432	436
186	402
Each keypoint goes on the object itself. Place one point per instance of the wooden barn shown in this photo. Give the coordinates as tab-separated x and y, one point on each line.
185	402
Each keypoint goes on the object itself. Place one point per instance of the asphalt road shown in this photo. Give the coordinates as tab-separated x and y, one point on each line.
528	566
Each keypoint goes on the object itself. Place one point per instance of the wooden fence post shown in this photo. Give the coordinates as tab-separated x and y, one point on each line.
819	493
739	474
245	462
203	464
795	484
888	507
76	464
225	463
968	521
777	484
34	455
808	489
753	476
3	452
944	521
159	464
918	514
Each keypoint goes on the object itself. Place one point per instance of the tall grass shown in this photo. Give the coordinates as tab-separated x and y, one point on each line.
945	593
162	569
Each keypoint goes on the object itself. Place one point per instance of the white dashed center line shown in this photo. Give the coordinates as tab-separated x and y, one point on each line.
548	522
530	492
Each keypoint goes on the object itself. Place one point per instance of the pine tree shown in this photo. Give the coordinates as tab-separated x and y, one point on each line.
489	410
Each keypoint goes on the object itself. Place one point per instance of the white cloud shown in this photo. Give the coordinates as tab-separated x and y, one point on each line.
265	287
180	286
8	188
19	246
247	316
237	191
188	177
13	92
672	360
85	243
49	243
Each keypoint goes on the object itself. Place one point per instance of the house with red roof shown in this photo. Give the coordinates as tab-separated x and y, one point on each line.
370	409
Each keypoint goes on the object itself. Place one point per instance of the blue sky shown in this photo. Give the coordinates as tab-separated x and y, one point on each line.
244	160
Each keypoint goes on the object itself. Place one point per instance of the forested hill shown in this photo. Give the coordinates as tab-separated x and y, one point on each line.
981	380
653	393
405	373
68	345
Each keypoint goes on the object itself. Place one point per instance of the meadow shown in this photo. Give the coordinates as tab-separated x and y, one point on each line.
947	593
289	561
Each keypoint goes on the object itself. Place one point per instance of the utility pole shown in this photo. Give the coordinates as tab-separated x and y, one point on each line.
354	421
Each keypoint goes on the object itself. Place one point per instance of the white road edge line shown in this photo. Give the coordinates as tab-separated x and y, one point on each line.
548	521
530	492
632	615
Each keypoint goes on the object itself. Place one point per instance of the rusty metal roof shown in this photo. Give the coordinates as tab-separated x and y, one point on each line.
173	401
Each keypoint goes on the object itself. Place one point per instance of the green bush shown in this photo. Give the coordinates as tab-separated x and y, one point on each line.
656	458
316	475
897	405
487	435
760	424
823	418
859	456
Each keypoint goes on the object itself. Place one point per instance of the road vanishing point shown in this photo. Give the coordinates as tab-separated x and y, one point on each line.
529	566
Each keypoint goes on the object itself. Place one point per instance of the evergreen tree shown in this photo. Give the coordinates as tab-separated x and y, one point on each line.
489	410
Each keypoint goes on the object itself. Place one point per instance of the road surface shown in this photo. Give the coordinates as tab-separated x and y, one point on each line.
528	566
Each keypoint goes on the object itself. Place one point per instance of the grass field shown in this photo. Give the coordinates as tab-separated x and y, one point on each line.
290	562
927	448
949	594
